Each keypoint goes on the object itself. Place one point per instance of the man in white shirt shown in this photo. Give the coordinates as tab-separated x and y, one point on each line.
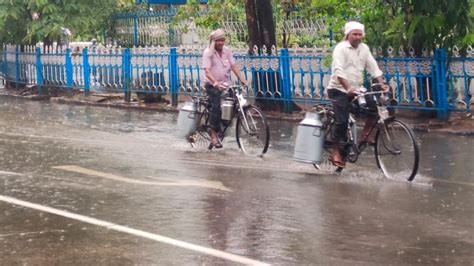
350	58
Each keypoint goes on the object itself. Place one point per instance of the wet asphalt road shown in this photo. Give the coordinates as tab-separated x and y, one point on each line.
128	168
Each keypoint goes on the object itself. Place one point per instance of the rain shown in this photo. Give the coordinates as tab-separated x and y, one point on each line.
94	185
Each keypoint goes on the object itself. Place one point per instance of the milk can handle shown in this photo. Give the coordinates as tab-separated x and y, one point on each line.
192	115
317	132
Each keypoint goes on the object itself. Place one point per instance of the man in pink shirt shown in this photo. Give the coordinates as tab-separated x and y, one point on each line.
217	62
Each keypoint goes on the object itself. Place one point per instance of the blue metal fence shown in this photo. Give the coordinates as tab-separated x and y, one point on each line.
429	82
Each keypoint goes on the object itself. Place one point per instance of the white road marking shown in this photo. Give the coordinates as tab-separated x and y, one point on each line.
55	137
10	173
180	183
135	232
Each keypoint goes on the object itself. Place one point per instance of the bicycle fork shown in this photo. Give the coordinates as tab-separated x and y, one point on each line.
246	122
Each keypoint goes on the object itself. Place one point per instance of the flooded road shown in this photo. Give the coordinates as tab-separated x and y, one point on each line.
82	185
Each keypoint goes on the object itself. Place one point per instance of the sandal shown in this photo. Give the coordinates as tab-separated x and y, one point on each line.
340	164
218	145
215	141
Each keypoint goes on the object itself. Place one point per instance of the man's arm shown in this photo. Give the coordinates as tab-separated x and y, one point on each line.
379	79
338	62
209	76
238	73
374	70
351	91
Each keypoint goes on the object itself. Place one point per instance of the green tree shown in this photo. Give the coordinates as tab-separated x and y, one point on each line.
420	24
30	21
212	15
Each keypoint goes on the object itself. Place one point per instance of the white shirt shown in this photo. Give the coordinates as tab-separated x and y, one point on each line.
349	63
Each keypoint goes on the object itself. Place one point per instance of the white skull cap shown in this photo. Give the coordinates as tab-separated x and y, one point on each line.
353	25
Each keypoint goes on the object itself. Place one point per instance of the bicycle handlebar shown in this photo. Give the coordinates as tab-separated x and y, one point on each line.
361	94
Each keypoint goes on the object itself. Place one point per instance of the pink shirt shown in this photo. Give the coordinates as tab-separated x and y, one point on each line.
220	67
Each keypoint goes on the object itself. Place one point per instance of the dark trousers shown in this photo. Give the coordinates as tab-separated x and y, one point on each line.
340	102
214	96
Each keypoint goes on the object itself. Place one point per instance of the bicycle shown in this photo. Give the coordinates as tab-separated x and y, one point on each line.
251	129
396	150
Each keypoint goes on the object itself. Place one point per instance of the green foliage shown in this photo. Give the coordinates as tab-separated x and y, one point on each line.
85	18
427	23
420	24
214	14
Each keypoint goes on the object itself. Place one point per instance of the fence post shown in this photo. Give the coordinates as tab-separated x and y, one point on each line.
441	84
135	31
5	70
39	69
87	71
173	68
126	71
285	70
69	77
17	65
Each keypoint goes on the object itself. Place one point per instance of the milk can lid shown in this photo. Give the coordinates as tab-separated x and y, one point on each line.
311	119
188	106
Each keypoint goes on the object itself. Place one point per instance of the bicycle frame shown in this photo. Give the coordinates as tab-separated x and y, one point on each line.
235	93
352	148
238	104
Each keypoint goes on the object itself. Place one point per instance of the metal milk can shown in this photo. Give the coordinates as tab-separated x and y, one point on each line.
227	107
309	145
187	120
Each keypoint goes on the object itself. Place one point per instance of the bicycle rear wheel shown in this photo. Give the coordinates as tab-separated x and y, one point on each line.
326	164
396	150
252	131
201	138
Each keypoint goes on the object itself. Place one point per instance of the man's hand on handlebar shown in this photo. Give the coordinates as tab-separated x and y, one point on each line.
385	87
352	92
225	85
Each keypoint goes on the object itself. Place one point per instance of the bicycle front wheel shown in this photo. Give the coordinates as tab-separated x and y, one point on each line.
396	150
252	131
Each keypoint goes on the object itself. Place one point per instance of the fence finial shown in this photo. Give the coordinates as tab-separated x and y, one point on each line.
255	50
470	51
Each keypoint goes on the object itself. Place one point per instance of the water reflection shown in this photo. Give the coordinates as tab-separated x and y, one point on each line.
447	157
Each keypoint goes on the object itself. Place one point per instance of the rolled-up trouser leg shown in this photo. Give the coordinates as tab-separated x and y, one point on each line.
214	96
341	111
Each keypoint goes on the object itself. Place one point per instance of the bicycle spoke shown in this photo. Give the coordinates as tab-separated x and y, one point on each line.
201	138
252	132
397	151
